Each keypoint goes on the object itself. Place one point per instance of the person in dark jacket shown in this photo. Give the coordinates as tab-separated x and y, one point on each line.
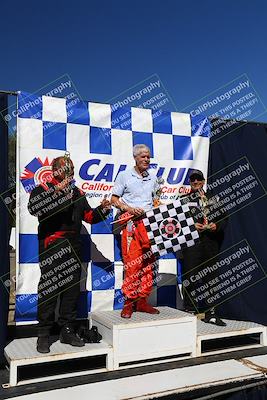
60	207
203	253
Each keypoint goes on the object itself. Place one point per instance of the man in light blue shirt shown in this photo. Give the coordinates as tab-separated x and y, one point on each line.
133	194
135	190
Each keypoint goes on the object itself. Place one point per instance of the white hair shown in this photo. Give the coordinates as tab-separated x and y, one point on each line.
140	147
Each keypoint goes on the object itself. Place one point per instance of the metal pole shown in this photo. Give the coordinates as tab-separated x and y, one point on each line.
9	92
4	237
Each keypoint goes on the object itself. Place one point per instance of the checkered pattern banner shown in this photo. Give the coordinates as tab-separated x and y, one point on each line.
100	139
170	228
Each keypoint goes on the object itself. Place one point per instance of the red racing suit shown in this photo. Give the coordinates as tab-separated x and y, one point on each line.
139	261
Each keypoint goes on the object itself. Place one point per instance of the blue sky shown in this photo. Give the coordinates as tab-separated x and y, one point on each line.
106	47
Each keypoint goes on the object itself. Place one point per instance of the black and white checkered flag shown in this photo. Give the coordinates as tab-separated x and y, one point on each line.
170	227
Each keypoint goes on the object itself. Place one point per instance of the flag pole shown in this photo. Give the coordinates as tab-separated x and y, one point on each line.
4	226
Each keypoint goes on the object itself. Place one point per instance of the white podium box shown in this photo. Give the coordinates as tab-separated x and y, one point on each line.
22	352
146	338
236	335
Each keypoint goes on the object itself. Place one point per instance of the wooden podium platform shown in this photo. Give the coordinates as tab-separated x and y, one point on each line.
147	338
236	335
142	340
22	352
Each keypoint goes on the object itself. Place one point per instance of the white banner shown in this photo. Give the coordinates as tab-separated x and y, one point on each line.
100	138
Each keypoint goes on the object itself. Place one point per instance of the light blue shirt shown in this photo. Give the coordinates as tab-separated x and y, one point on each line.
134	190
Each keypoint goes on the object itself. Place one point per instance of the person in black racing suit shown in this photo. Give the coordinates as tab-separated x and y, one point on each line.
204	253
60	207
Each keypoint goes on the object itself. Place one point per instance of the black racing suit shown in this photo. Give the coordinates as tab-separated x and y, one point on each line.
204	253
60	215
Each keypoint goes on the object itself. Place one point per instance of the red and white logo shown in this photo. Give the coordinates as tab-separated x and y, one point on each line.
170	228
35	173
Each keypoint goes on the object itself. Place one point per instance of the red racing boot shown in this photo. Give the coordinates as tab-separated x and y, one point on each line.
143	306
127	310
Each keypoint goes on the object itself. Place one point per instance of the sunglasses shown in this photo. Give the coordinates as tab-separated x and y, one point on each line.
195	177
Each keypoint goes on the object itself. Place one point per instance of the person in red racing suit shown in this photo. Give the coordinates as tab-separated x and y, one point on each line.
133	195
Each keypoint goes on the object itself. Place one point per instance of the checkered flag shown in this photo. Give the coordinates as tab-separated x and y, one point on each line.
170	227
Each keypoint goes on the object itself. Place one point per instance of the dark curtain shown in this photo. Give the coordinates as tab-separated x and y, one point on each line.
245	142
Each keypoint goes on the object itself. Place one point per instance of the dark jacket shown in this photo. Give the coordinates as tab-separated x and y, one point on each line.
62	211
213	213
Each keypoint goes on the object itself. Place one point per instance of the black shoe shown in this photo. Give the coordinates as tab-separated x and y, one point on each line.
43	344
89	335
212	318
68	336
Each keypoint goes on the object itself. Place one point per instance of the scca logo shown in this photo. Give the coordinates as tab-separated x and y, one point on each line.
35	173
